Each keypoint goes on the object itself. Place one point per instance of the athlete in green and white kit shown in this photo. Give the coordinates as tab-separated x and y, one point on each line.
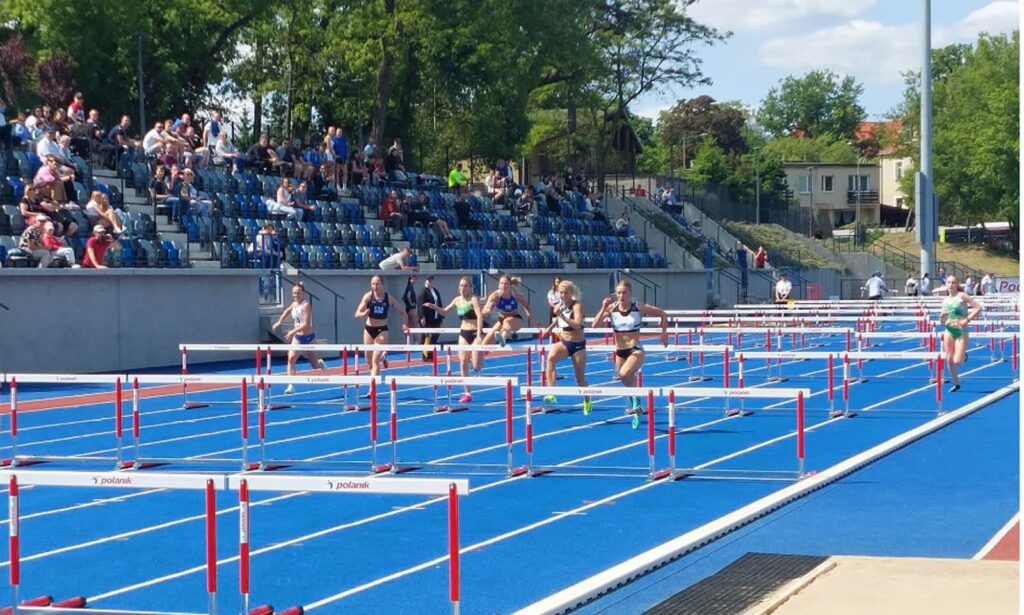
958	310
467	307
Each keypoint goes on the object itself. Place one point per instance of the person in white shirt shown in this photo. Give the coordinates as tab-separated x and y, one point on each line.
554	298
398	260
910	288
47	146
988	284
783	289
926	285
153	141
876	286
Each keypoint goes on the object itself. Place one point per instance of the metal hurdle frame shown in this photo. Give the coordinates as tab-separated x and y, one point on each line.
14	379
649	393
16	479
674	472
451	489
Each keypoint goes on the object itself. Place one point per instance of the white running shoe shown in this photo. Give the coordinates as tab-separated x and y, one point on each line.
500	338
323	365
290	390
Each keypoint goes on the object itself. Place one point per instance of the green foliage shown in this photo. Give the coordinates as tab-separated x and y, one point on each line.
975	125
710	165
815	105
691	119
820	149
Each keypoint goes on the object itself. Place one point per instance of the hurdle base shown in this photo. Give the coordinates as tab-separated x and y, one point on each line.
532	472
279	407
16	462
139	465
850	414
521	471
777	379
741	475
40	601
382	469
667	473
699	378
78	602
863	379
737	412
265	609
295	610
356	408
194	405
440	409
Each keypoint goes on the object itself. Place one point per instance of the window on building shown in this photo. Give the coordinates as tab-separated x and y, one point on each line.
899	201
852	182
827	183
899	169
805	184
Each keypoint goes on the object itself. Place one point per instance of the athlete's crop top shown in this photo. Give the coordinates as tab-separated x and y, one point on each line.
508	306
378	309
465	311
300	314
629	322
564	314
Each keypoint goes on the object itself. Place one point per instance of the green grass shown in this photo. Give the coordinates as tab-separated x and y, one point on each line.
778	242
973	256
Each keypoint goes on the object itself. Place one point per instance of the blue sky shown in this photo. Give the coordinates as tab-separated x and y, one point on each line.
873	40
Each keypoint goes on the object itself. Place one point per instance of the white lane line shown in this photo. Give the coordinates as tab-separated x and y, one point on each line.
1003	531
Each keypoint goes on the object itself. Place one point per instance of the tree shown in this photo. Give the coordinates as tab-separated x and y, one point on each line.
820	149
815	105
975	127
56	79
691	119
710	165
14	62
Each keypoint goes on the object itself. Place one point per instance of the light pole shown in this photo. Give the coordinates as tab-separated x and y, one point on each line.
810	193
856	215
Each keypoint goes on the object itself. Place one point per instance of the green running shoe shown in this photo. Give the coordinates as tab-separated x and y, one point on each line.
636	420
550	399
588	406
638	407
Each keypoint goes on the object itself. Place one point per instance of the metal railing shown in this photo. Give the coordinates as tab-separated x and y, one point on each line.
902	259
645	282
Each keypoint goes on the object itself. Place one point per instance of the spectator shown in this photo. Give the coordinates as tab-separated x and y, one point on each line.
153	141
622	225
390	212
261	156
876	286
158	189
970	287
525	204
554	297
61	254
32	241
503	170
100	213
457	179
300	200
46	120
910	288
398	261
33	203
669	202
48	146
760	258
64	143
287	158
196	154
926	285
20	135
265	242
6	130
394	162
59	123
942	276
783	289
212	131
409	299
34	121
76	110
358	172
224	153
185	197
988	284
497	187
87	137
117	143
282	204
377	172
464	213
370	152
96	248
430	317
312	159
419	213
321	187
53	180
338	146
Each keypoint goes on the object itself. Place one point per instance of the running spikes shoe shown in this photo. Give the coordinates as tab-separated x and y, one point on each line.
500	338
466	398
290	390
550	399
588	407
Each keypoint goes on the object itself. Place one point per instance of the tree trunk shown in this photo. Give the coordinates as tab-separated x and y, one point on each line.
387	61
257	118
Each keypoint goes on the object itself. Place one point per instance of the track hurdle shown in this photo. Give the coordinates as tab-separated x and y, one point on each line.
448	489
797	395
14	380
647	393
16	479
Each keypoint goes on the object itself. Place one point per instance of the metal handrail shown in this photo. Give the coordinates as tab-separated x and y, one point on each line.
644	281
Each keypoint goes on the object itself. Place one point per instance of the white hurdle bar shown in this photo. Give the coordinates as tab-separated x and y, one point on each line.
347	485
16	379
646	392
16	479
729	393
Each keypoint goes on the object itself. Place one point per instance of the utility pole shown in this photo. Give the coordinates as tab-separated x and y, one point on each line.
757	185
927	210
142	92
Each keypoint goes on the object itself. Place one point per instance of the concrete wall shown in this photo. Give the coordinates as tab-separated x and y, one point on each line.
90	321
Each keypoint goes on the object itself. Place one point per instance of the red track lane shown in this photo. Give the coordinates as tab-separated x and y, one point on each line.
1008	547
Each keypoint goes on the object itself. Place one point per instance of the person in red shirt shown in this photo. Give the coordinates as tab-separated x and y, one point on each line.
96	248
760	258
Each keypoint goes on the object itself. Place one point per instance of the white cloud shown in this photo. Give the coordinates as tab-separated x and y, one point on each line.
773	15
876	53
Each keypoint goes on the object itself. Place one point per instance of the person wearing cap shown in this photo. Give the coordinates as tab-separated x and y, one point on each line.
96	248
32	241
76	110
430	317
876	286
783	289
